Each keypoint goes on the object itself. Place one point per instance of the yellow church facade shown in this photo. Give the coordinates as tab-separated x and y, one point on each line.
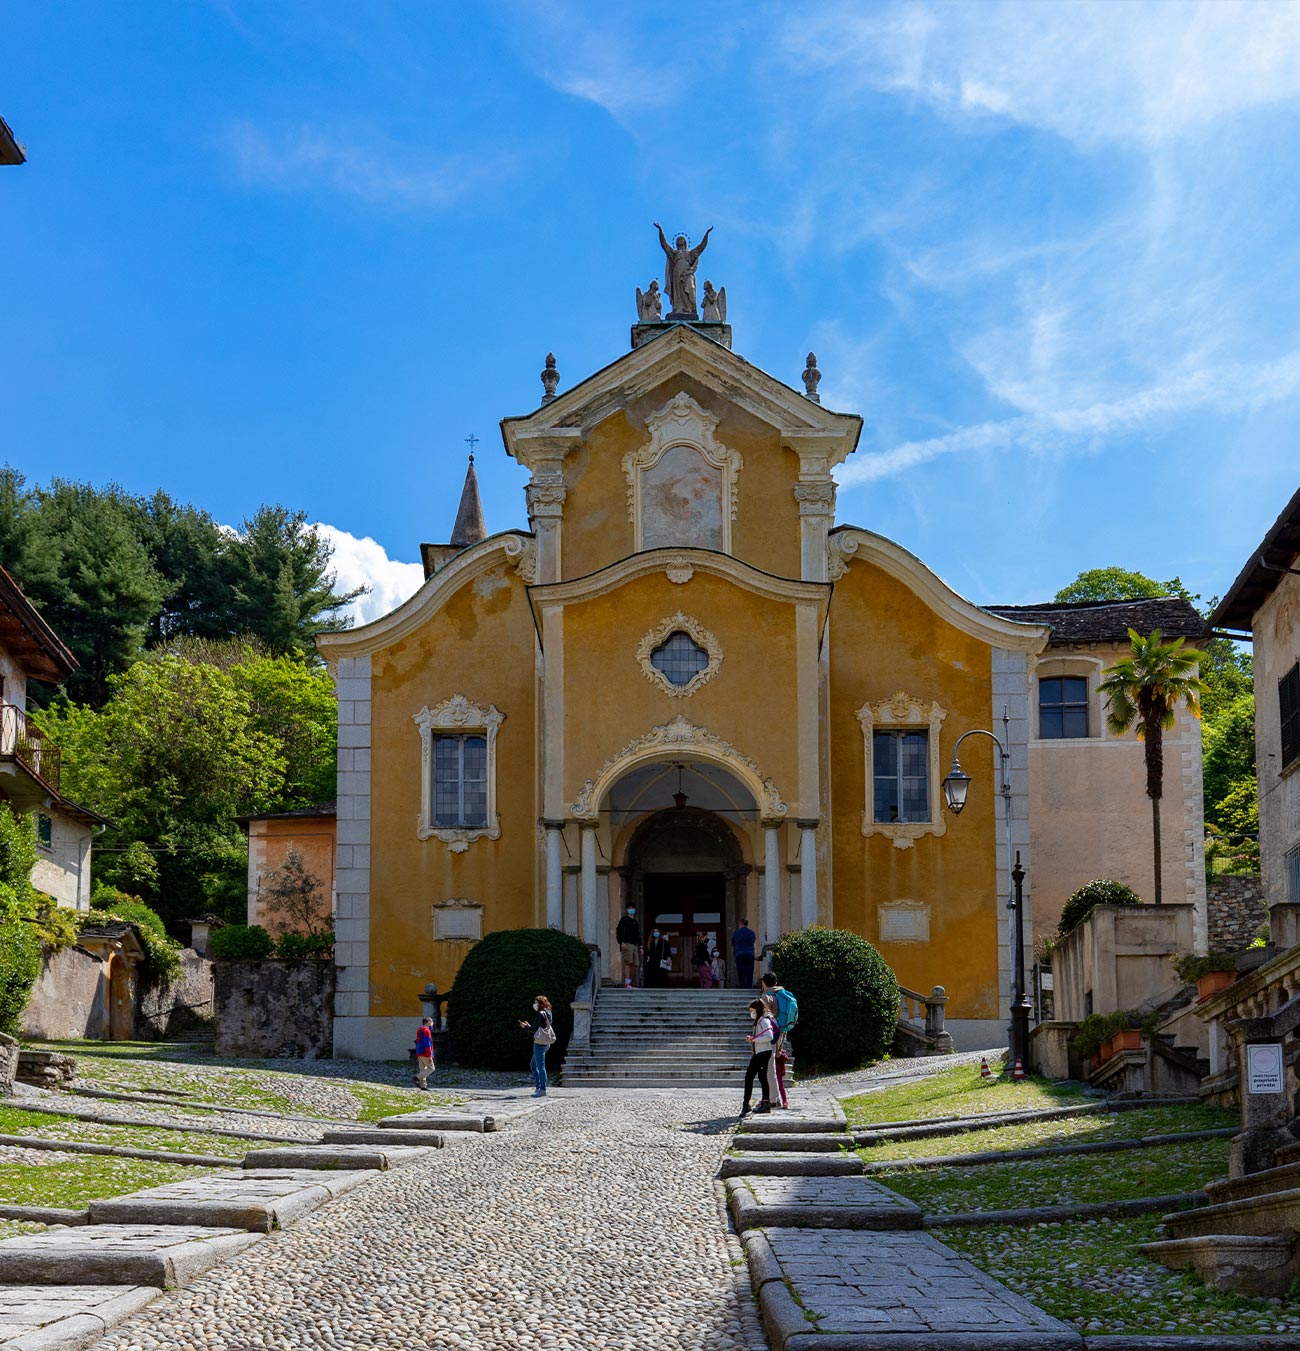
683	687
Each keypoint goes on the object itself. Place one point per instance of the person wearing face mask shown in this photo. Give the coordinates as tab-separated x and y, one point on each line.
543	1029
628	935
658	960
761	1041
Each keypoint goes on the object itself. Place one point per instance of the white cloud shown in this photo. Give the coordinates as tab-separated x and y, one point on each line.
1091	70
365	562
371	169
1226	389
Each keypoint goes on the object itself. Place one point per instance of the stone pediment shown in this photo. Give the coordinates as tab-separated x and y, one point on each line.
821	438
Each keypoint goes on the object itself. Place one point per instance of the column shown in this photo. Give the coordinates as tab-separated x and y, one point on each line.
590	919
816	498
771	881
554	874
807	872
545	495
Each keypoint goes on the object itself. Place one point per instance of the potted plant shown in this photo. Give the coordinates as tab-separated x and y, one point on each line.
1087	1040
1127	1031
1211	973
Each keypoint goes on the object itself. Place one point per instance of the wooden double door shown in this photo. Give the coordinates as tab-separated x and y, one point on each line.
686	908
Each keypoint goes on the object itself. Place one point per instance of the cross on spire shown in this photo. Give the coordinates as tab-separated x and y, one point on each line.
471	441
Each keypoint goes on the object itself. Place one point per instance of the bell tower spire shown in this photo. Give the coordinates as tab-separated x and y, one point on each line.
470	526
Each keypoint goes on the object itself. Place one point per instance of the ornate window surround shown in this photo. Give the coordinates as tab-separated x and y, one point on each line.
457	714
682	422
902	712
661	632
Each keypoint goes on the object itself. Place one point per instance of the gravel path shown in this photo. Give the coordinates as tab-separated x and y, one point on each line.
592	1226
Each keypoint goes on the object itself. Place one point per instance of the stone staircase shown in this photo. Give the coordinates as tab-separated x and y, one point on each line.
663	1039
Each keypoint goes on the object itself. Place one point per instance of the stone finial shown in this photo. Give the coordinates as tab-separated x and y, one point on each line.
812	377
550	378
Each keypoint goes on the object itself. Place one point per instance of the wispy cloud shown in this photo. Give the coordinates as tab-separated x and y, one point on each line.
1226	389
1090	71
365	562
370	169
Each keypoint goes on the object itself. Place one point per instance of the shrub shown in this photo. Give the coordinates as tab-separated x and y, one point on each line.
1189	968
295	947
848	996
496	985
240	940
162	962
1098	892
20	964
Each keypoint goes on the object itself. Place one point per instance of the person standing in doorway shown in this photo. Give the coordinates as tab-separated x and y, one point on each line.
784	1008
543	1029
742	947
703	965
761	1041
424	1054
628	936
658	960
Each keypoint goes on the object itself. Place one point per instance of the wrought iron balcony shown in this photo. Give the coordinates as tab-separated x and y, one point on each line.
23	741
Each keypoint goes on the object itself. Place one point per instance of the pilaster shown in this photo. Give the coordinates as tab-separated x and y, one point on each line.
352	858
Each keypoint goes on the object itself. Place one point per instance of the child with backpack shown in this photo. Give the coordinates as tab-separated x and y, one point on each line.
784	1008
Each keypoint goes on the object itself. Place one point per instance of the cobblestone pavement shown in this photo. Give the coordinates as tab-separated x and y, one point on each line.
594	1225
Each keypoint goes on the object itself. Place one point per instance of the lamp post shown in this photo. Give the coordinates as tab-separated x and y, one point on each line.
956	787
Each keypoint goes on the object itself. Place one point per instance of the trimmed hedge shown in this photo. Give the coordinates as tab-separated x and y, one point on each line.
20	964
1098	892
240	940
848	996
495	987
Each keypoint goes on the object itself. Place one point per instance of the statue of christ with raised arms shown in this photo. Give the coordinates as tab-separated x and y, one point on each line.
679	272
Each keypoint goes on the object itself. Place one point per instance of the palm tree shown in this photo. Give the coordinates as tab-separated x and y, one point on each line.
1145	688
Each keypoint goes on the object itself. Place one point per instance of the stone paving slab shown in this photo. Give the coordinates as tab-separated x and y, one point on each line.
781	1123
438	1121
256	1199
332	1156
118	1254
65	1317
423	1139
818	1203
838	1290
791	1165
825	1142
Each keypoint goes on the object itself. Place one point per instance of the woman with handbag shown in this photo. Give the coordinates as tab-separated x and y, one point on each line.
543	1030
761	1041
658	960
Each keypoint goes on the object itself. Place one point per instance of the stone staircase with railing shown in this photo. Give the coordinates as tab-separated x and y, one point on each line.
662	1039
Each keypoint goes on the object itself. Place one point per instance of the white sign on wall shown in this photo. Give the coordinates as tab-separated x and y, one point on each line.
1264	1068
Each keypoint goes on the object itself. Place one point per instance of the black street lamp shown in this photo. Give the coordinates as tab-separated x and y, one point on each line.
956	788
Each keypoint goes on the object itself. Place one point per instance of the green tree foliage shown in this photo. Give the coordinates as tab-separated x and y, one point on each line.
17	859
1100	891
495	987
115	574
20	964
1102	584
295	706
1229	756
241	940
20	943
1143	691
162	954
848	996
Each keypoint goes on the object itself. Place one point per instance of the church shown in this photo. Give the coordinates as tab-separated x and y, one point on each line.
687	686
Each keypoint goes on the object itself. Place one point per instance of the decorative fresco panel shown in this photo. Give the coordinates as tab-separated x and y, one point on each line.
681	501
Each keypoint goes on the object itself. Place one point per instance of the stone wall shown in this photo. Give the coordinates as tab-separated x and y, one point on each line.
8	1063
185	1004
270	1009
68	1000
1236	910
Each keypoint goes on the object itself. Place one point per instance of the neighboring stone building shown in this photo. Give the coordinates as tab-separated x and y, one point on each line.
685	686
307	830
1087	787
30	768
1264	602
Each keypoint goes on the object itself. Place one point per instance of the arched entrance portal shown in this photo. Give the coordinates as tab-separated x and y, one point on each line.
684	869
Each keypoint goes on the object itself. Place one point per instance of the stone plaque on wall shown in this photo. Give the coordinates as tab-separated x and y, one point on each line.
904	922
460	920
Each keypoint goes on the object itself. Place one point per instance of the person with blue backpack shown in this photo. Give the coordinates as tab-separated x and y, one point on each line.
784	1008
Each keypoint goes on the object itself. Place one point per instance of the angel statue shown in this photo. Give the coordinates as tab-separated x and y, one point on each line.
648	304
679	272
715	304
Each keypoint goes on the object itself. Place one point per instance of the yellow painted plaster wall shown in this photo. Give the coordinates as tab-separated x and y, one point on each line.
269	843
480	644
884	638
609	700
597	530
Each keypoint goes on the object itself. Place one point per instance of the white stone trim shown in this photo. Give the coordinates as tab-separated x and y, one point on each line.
901	712
679	623
682	422
457	714
1011	680
352	847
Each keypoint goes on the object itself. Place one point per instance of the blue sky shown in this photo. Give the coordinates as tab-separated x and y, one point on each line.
297	252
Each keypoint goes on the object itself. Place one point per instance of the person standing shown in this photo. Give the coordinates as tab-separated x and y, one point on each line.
628	936
424	1054
761	1041
742	947
703	965
543	1029
784	1008
658	960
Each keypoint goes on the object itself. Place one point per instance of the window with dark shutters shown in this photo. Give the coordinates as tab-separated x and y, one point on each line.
1288	698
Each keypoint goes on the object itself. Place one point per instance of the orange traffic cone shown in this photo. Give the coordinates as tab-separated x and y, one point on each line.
985	1072
1018	1073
